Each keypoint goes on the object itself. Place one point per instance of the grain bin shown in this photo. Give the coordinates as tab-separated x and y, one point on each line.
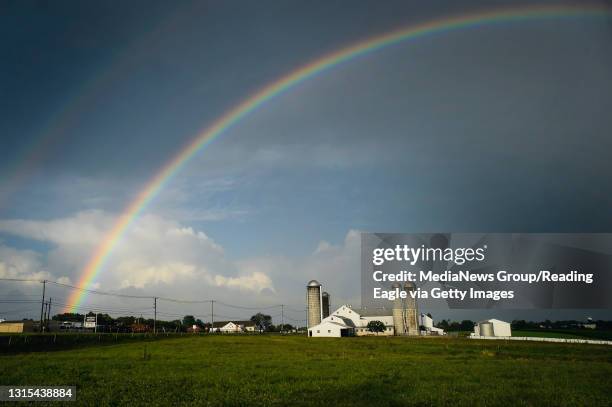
486	329
313	299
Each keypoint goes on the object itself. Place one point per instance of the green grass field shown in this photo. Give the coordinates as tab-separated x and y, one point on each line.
295	370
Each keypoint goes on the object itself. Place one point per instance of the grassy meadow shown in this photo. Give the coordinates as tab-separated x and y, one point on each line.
295	370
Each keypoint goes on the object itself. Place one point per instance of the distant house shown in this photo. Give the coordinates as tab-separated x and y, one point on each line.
139	328
194	329
234	326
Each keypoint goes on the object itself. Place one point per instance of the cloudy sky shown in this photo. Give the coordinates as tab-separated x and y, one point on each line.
498	128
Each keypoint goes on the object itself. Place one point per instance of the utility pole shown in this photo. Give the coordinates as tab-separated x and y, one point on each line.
282	318
154	315
212	315
42	304
48	312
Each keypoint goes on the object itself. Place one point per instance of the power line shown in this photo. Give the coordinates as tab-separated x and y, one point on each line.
92	307
112	294
27	280
248	308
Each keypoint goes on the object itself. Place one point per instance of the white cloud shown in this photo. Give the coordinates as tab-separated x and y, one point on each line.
157	256
256	281
336	267
85	228
138	274
23	264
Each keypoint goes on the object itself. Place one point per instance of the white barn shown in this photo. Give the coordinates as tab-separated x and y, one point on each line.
233	326
345	321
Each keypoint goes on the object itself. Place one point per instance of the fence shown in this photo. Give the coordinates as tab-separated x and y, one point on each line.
542	339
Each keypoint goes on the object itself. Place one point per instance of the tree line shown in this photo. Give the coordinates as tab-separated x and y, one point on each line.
107	323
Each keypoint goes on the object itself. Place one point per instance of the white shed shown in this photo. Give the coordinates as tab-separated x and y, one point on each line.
330	329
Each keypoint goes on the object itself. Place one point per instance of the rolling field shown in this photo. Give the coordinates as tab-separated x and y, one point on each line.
275	370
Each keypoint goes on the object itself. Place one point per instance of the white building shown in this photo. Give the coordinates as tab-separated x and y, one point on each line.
492	327
429	328
233	326
345	321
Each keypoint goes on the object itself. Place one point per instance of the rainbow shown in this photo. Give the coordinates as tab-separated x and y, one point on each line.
226	121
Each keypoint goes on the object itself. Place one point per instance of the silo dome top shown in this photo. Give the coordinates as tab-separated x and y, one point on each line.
325	294
313	283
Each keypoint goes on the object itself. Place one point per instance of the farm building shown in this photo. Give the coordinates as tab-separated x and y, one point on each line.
492	327
234	326
346	321
400	318
428	327
18	326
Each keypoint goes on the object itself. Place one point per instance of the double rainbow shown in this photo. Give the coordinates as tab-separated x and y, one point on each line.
222	124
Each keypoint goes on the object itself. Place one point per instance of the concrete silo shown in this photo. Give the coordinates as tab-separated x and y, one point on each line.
411	315
325	303
313	298
398	314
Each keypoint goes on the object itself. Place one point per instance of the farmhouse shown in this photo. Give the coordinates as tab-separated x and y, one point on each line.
233	326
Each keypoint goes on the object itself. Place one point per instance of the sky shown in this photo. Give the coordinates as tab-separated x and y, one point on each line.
498	128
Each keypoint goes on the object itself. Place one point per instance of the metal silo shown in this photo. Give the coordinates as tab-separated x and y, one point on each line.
325	302
313	298
486	329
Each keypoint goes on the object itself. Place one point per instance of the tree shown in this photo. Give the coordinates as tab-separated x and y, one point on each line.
466	325
376	326
105	319
189	320
263	322
444	324
285	328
